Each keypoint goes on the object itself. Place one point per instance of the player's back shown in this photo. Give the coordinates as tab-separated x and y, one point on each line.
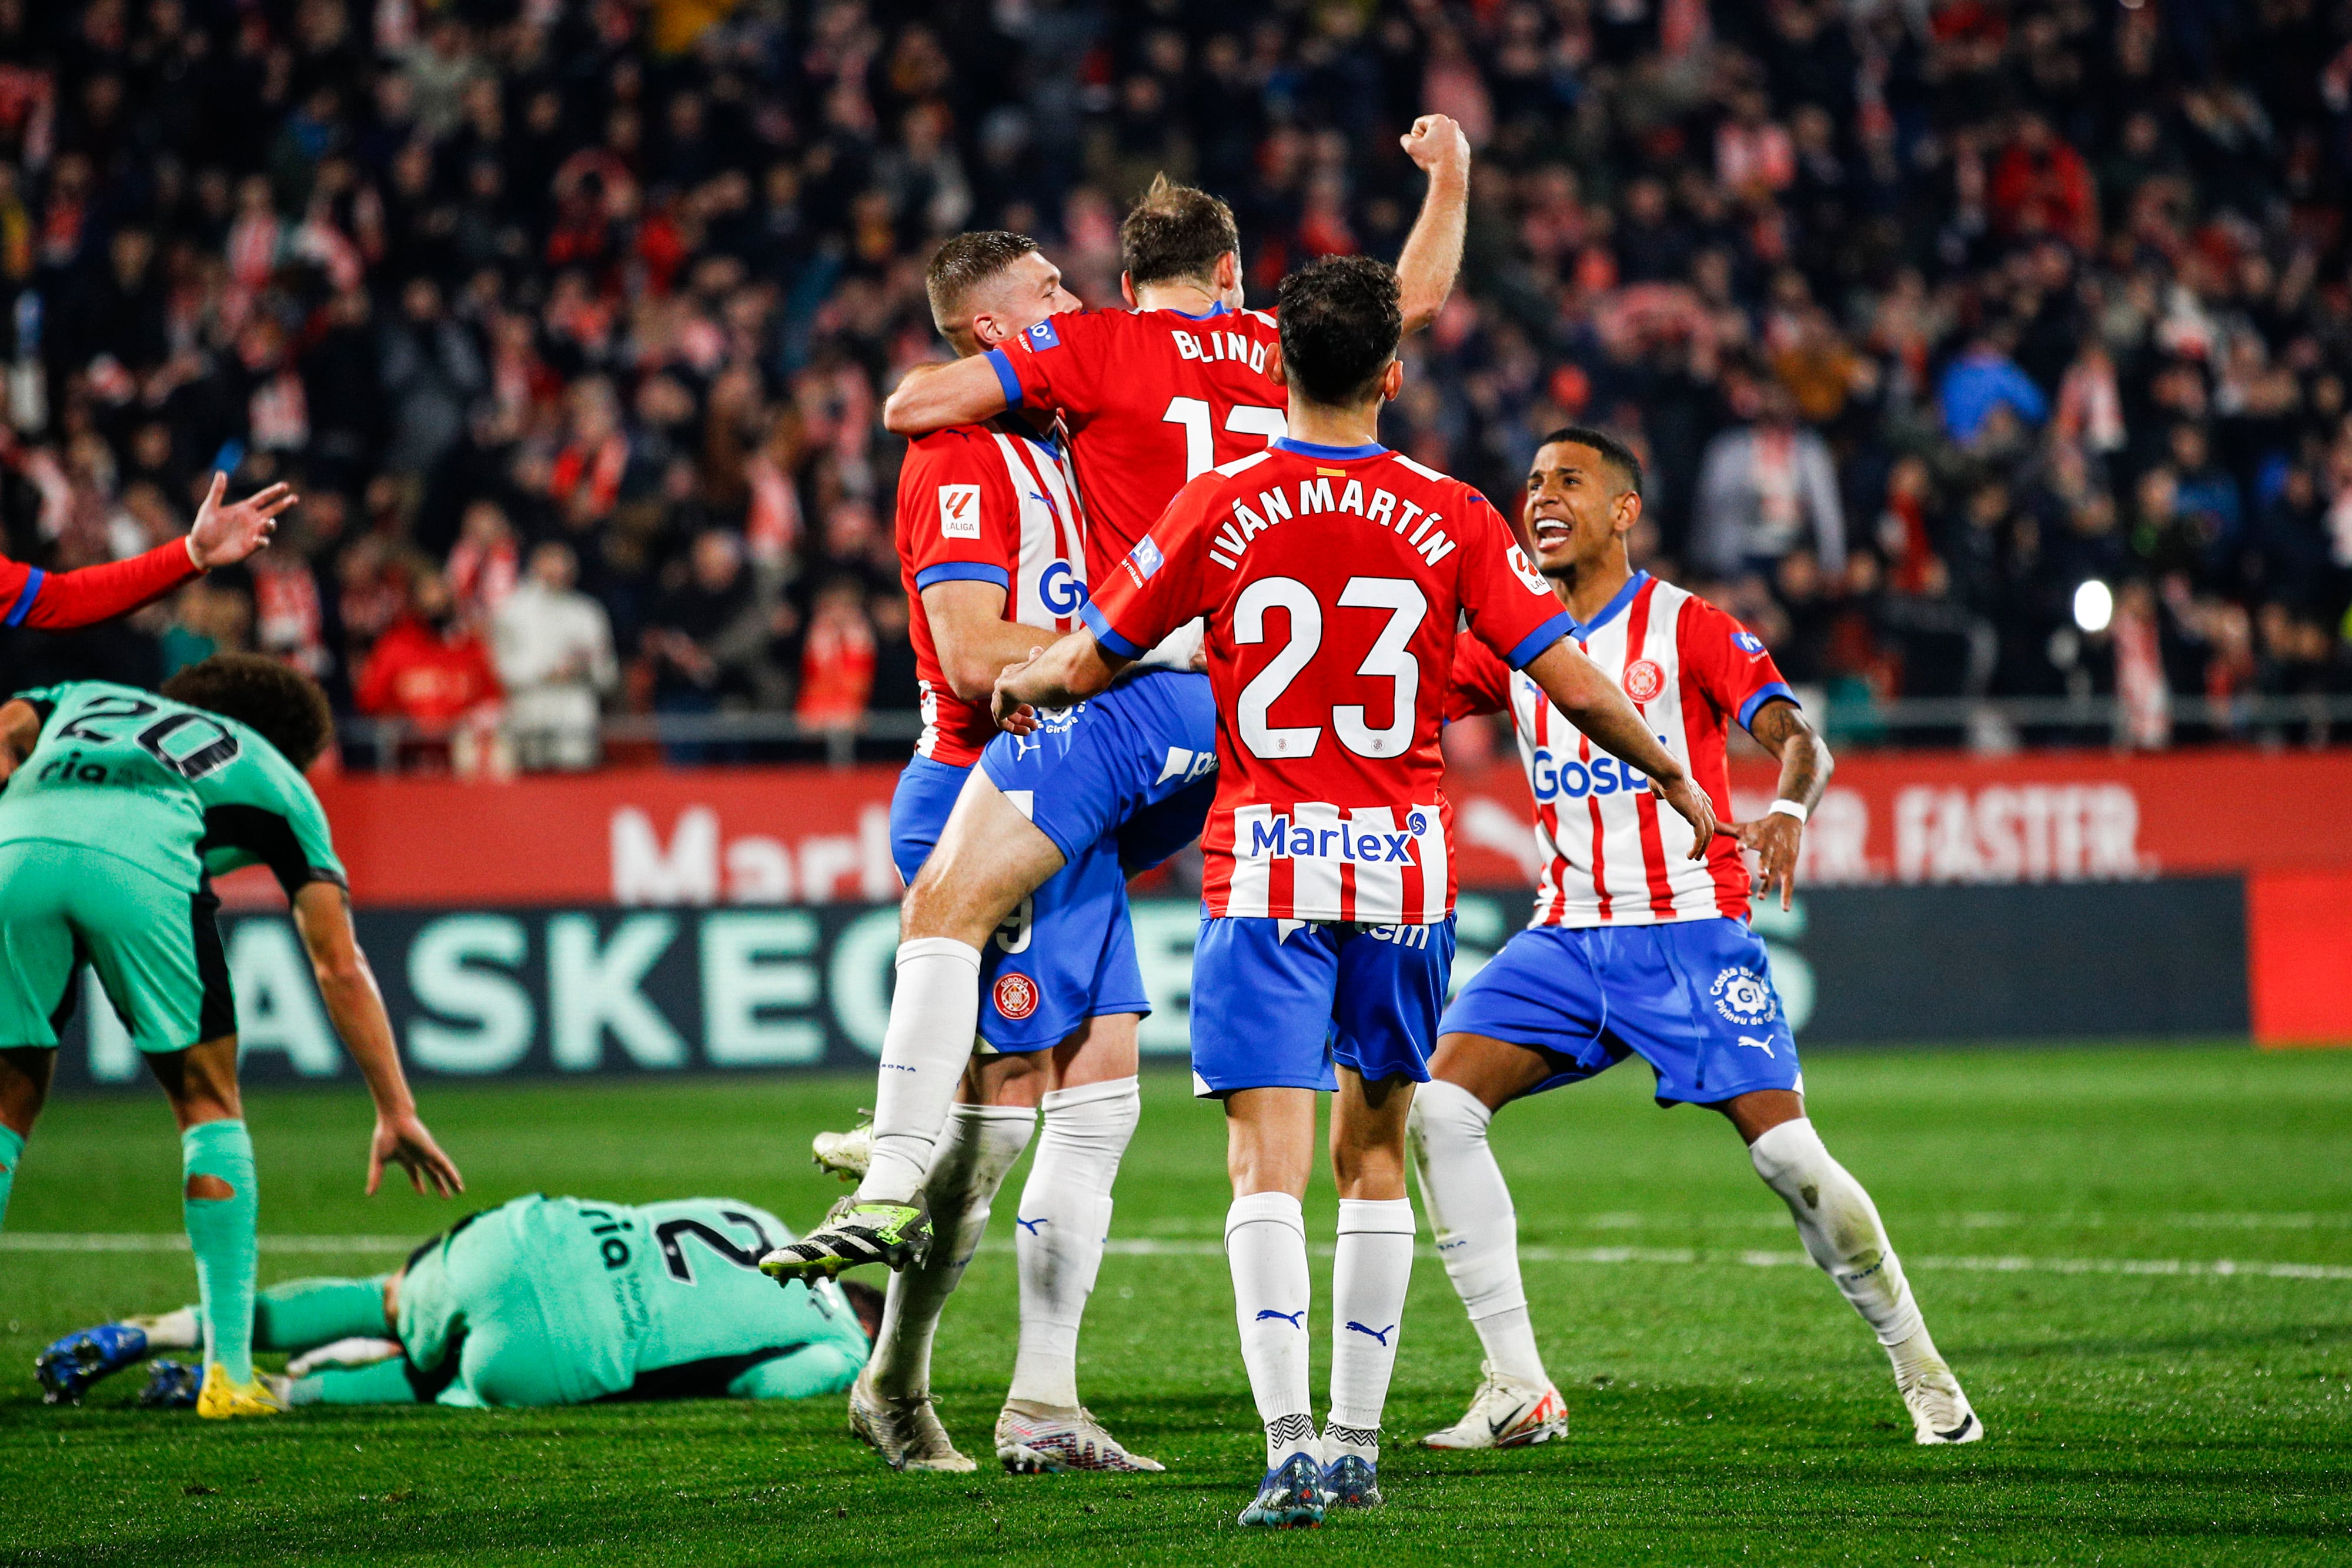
705	1301
180	790
1334	581
1151	399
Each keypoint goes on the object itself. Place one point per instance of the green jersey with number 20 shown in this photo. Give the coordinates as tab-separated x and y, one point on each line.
176	790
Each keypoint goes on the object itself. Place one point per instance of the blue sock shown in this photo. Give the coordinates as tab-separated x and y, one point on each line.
12	1151
221	1231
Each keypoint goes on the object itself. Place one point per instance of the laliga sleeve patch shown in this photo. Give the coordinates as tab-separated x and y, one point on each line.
1527	573
1015	996
960	511
1644	680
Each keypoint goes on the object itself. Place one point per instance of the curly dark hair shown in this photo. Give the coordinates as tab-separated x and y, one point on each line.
1340	322
282	704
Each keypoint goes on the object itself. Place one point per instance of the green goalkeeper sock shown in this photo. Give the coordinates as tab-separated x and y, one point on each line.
386	1383
12	1150
221	1232
306	1313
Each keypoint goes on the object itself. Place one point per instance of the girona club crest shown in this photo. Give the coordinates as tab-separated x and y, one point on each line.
1016	996
1644	680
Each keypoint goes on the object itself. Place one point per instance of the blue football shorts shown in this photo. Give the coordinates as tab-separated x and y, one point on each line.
1277	1002
1065	955
1136	766
1694	999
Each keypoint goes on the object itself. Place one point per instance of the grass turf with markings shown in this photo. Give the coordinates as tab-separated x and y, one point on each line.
1726	1406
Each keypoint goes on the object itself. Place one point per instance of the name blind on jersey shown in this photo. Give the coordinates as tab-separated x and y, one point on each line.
1317	497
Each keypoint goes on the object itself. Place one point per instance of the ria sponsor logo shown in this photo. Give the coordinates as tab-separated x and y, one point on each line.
1281	839
1565	778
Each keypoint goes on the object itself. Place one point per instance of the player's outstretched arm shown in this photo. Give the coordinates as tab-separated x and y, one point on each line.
322	913
1592	702
1781	728
1071	671
223	536
1433	251
933	397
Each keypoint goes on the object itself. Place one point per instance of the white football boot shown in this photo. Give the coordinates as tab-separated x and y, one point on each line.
905	1431
1939	1411
1504	1413
1040	1439
845	1155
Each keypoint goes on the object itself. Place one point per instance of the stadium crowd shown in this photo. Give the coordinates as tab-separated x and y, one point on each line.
570	319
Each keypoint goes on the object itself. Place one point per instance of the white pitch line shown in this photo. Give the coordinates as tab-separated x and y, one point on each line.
1149	1247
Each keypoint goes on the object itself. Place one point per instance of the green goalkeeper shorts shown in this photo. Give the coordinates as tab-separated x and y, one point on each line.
154	943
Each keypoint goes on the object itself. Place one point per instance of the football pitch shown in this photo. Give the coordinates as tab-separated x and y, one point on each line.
2138	1261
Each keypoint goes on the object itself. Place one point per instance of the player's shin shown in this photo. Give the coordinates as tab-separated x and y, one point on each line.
1370	1271
221	1207
978	1149
933	1015
1476	1228
1265	1246
1063	1219
12	1151
1841	1228
301	1313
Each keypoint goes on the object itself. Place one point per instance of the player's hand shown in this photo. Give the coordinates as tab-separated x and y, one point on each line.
1014	713
225	535
401	1140
1775	837
1435	142
1687	800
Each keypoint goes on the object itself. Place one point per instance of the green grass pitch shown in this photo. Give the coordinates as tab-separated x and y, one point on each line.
1725	1408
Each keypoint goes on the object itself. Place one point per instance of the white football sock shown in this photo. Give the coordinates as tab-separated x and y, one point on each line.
1265	1245
1842	1234
1369	1273
1476	1228
933	1015
1063	1221
979	1149
174	1330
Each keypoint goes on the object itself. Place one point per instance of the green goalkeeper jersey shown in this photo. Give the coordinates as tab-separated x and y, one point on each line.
177	791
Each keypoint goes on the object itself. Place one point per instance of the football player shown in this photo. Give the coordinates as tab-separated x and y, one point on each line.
1150	398
1639	949
543	1300
120	805
1333	575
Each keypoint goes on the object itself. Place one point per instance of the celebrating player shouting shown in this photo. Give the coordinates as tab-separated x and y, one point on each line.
1333	574
1152	398
1637	950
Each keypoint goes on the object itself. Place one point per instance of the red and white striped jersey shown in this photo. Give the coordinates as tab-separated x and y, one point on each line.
1334	581
1153	399
987	503
1611	855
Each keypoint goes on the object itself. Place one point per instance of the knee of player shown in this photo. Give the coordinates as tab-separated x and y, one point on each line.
939	905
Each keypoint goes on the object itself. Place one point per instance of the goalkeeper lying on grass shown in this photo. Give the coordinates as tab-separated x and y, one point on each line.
543	1300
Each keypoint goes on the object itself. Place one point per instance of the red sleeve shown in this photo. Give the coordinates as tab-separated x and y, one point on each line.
1511	607
1729	663
62	601
1160	584
957	512
1480	684
1058	364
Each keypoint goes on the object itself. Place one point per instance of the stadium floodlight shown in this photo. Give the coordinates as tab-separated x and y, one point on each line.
2095	606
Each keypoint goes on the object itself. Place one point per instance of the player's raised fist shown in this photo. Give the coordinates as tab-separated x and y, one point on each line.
225	535
1436	143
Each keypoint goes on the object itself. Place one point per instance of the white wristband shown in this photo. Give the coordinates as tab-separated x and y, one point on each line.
1787	808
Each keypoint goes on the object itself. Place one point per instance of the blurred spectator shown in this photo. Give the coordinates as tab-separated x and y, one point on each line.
836	658
1763	490
1982	378
711	639
432	672
555	647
